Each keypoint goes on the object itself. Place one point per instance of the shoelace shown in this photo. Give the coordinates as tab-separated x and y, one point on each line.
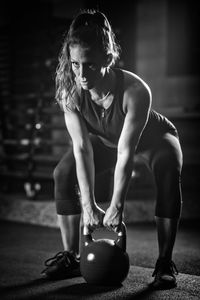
54	260
167	265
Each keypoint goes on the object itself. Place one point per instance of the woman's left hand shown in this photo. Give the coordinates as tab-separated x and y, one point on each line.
113	218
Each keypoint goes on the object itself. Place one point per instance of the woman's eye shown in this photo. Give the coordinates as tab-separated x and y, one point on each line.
75	65
92	66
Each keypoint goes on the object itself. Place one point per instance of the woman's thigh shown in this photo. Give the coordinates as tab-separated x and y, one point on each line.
166	150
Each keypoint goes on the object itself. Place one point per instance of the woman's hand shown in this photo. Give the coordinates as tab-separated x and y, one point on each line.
113	218
92	217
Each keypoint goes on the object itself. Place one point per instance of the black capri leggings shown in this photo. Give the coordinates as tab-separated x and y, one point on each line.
164	157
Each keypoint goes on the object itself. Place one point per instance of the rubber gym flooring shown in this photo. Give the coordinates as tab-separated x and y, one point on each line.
24	248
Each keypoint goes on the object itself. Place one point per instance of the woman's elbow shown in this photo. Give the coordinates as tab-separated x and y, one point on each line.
82	149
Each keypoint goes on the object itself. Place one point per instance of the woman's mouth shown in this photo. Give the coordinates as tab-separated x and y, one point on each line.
84	83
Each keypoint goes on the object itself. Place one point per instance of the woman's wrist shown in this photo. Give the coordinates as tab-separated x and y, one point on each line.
88	205
117	205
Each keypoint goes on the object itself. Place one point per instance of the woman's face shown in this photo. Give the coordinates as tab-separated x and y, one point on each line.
88	66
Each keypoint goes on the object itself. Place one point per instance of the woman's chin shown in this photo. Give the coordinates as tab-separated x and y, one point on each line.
86	86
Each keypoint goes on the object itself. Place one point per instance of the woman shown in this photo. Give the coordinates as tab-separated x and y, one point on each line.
109	118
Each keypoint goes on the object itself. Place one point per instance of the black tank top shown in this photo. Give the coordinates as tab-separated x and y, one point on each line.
108	123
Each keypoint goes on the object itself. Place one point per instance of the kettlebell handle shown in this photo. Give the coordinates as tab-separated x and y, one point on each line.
120	240
121	237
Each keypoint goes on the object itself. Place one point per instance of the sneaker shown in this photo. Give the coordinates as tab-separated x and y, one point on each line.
164	273
63	265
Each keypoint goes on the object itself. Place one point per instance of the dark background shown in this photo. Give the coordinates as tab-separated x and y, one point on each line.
160	43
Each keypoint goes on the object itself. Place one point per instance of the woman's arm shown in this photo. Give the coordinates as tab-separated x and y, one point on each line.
83	153
138	102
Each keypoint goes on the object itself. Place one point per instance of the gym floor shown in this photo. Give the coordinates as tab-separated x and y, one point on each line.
24	248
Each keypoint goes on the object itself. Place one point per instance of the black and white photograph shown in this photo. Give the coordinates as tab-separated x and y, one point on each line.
99	149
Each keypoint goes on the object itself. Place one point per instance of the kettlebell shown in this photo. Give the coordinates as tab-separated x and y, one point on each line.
105	261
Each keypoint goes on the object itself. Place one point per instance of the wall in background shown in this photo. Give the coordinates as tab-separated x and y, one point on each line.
167	52
151	34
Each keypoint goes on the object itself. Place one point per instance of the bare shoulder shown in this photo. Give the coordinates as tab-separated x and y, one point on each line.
136	91
133	82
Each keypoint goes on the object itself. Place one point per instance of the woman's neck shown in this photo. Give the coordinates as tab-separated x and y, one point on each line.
100	93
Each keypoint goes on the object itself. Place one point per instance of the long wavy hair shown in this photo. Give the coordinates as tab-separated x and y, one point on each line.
89	28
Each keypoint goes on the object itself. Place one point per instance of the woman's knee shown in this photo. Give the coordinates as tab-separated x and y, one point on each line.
166	166
59	172
66	186
169	195
168	157
64	168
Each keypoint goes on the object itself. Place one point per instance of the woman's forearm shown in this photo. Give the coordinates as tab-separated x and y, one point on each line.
122	176
85	175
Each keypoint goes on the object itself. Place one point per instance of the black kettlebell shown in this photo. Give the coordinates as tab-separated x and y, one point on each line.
105	261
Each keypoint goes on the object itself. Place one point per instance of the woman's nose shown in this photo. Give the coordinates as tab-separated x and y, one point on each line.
82	73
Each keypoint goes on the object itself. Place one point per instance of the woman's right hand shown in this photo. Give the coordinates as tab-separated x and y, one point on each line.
92	218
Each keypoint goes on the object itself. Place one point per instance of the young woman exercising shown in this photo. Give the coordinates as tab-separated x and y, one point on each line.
109	118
